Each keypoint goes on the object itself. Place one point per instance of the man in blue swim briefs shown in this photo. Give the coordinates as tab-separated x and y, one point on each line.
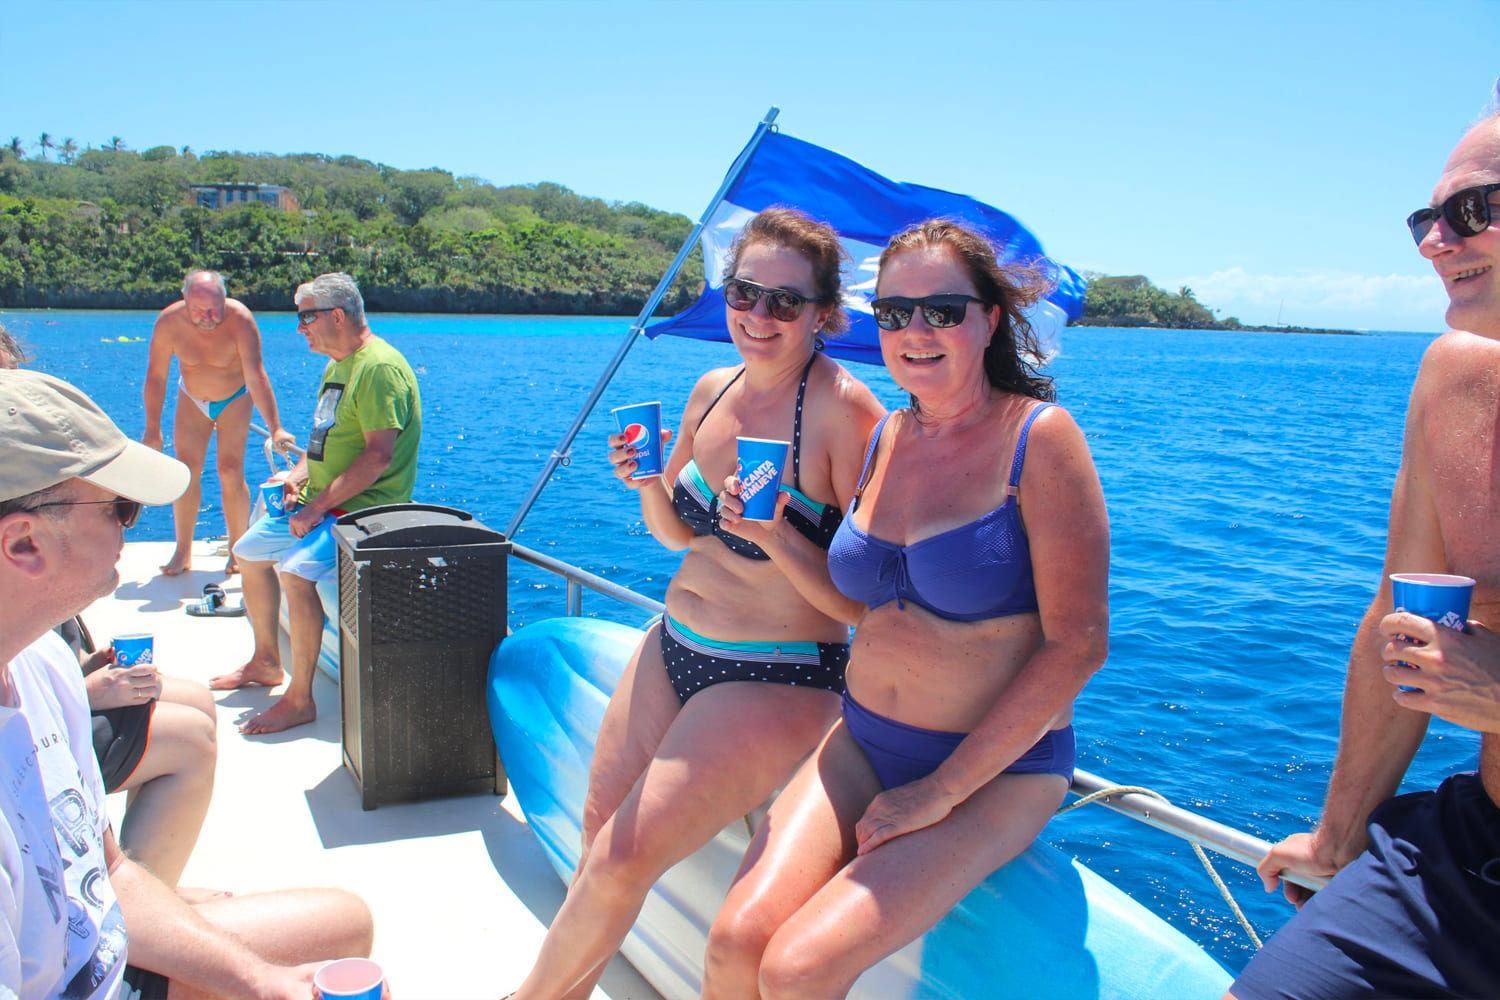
362	452
217	346
1414	907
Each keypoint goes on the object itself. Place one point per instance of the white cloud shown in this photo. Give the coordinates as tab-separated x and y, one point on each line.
1322	299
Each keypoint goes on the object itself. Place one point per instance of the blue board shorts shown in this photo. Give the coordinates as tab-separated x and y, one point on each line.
1415	915
313	557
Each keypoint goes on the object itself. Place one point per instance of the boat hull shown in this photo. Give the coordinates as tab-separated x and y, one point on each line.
1044	927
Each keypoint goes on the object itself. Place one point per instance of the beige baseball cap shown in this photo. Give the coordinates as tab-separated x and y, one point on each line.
51	432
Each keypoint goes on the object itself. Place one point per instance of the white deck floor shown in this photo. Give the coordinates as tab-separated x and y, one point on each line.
460	889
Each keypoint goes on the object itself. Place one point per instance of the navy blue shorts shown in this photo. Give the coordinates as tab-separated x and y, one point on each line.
1416	915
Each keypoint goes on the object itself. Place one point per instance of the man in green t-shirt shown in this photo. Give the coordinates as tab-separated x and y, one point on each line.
363	452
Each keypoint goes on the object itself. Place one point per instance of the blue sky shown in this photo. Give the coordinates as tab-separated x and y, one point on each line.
1264	154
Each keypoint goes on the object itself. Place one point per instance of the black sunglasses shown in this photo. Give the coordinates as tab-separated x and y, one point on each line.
306	316
1467	211
127	512
783	304
894	312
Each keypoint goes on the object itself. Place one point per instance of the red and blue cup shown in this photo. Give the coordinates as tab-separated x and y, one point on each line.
133	649
641	425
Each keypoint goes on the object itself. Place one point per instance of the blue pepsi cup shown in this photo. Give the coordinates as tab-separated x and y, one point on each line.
273	495
349	979
133	649
1441	597
760	466
641	425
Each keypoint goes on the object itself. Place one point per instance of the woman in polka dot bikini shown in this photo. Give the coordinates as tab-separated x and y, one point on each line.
743	675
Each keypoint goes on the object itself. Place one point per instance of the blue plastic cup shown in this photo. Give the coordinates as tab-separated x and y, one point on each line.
1441	597
349	979
133	649
273	495
641	425
760	465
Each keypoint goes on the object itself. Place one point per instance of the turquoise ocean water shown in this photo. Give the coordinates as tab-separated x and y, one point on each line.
1247	475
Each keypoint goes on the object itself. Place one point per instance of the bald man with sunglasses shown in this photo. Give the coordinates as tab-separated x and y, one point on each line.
78	918
1414	909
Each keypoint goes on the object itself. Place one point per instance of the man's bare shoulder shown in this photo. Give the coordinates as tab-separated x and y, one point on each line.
1457	361
239	318
171	317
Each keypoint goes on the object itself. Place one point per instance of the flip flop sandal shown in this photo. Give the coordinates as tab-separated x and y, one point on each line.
212	604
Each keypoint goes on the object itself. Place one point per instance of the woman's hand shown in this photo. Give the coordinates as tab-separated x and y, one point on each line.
623	459
116	687
732	515
899	811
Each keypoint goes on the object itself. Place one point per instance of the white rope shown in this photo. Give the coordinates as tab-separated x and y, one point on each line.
1208	866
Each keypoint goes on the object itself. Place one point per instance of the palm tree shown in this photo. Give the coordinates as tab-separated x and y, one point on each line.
116	143
68	149
45	143
16	146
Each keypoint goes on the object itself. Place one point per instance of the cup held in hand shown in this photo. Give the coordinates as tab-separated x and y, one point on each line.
1439	597
761	463
641	425
349	979
133	648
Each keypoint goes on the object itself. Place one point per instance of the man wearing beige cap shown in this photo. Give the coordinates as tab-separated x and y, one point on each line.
70	484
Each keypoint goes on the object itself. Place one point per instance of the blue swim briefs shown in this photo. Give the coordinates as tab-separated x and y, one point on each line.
1415	915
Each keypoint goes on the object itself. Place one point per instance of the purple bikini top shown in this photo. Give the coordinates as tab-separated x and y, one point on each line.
973	572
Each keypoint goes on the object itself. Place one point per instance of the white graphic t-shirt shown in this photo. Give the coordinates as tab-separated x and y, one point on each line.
61	932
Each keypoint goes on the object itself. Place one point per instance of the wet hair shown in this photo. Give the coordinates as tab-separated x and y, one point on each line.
334	291
1008	359
193	275
817	241
11	352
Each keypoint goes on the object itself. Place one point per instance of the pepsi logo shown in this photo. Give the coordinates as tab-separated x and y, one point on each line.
636	436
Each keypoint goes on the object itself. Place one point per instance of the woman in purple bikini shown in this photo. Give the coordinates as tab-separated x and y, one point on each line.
979	544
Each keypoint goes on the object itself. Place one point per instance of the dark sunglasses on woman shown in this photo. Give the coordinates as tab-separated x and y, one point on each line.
1468	213
127	512
783	304
894	312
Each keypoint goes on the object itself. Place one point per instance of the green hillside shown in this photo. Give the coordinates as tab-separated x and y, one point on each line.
115	228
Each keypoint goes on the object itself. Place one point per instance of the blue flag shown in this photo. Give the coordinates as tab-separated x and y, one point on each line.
867	210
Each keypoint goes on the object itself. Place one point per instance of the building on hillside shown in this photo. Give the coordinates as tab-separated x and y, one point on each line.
219	196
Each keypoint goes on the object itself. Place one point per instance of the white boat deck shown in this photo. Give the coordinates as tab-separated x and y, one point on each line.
460	889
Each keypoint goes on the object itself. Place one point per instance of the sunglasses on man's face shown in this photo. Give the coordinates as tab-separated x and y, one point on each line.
783	304
127	512
1468	212
306	316
894	312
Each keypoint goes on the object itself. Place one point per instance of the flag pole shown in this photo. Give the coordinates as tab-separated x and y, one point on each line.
560	455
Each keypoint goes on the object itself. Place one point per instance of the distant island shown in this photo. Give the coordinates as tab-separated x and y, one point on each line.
1132	301
114	228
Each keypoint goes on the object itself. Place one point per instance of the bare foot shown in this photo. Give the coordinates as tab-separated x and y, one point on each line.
202	895
252	674
179	564
283	715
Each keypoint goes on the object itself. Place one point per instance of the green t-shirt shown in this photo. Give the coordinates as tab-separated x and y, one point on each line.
372	389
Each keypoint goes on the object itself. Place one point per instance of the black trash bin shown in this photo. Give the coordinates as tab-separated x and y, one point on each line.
421	608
